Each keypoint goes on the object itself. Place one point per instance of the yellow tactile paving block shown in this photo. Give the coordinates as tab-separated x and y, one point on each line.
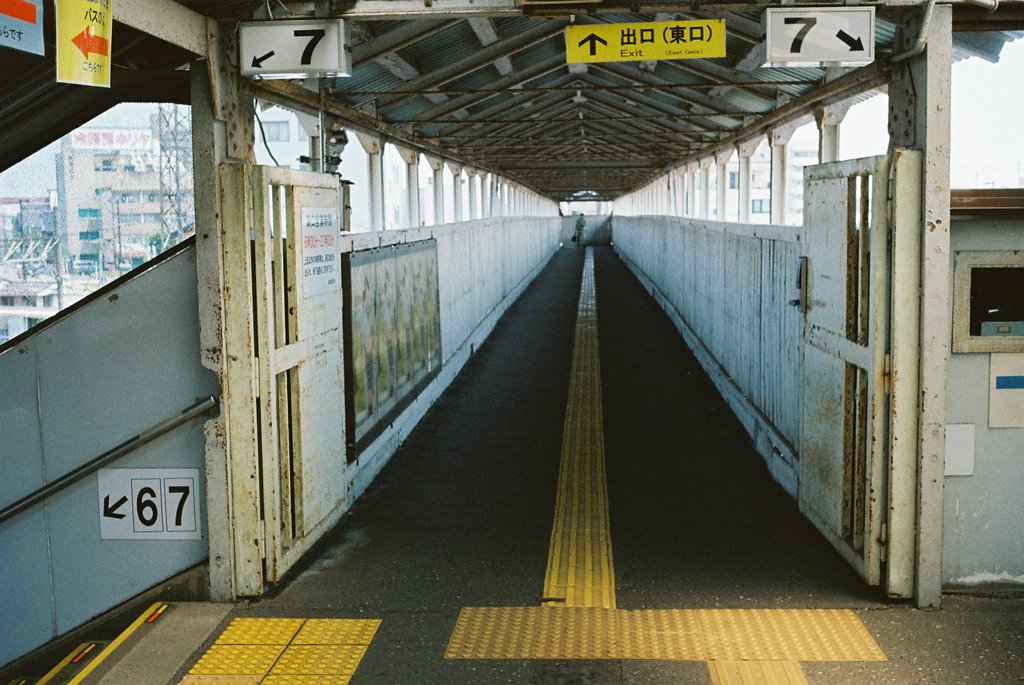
291	651
756	673
307	680
580	572
674	634
319	660
337	632
237	660
260	631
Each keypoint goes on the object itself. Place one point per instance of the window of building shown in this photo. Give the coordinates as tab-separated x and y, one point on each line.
88	235
759	206
276	131
6	301
106	165
732	180
988	301
88	213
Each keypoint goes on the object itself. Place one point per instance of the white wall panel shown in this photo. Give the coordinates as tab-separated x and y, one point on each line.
730	285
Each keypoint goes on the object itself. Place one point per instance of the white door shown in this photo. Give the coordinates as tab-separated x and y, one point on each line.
847	422
299	311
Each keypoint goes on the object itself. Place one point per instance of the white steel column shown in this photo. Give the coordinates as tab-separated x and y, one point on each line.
691	190
474	195
780	172
412	194
828	120
375	170
721	159
705	189
486	195
457	190
745	150
919	117
437	166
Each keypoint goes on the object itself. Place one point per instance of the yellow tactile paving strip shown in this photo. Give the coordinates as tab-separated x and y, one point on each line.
285	651
756	673
671	634
580	571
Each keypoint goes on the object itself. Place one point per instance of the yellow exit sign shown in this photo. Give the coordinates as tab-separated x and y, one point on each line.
655	40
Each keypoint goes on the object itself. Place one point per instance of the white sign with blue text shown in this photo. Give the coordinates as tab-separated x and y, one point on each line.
21	25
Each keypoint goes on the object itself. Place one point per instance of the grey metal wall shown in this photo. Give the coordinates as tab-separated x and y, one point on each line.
75	390
727	286
983	527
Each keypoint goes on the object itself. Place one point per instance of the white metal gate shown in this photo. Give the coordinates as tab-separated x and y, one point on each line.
854	474
299	334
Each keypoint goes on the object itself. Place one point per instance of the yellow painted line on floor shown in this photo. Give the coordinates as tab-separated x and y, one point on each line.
580	571
63	662
285	651
669	634
112	647
725	672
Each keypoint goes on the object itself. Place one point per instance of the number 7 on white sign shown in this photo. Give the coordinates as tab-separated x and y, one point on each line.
798	40
315	36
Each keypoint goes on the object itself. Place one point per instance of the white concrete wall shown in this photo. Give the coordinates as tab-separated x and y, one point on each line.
727	287
483	266
983	526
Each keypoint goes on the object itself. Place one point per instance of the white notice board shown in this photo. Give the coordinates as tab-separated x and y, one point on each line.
149	504
320	273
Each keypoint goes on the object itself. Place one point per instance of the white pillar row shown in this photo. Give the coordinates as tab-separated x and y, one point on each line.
456	170
779	140
412	195
745	150
474	194
437	166
375	170
828	120
721	160
705	188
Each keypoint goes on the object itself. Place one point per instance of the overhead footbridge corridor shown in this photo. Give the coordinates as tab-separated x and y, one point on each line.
416	419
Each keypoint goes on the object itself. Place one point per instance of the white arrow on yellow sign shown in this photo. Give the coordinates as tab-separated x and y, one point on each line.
655	40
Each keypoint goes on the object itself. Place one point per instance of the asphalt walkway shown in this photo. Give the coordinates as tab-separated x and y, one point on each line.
462	516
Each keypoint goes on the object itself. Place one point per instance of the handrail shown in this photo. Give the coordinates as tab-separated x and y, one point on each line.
93	465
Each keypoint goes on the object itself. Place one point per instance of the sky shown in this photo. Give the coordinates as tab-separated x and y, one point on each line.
987	147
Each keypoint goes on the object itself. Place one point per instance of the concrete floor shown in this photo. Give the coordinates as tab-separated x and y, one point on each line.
463	513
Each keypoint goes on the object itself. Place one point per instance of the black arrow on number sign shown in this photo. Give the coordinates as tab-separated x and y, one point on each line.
111	512
854	43
593	39
257	62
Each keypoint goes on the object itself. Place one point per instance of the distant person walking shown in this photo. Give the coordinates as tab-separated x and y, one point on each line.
581	225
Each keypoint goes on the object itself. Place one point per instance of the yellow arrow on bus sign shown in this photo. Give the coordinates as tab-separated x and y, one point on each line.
654	40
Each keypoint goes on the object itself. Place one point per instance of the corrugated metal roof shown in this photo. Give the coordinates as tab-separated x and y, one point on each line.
497	92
